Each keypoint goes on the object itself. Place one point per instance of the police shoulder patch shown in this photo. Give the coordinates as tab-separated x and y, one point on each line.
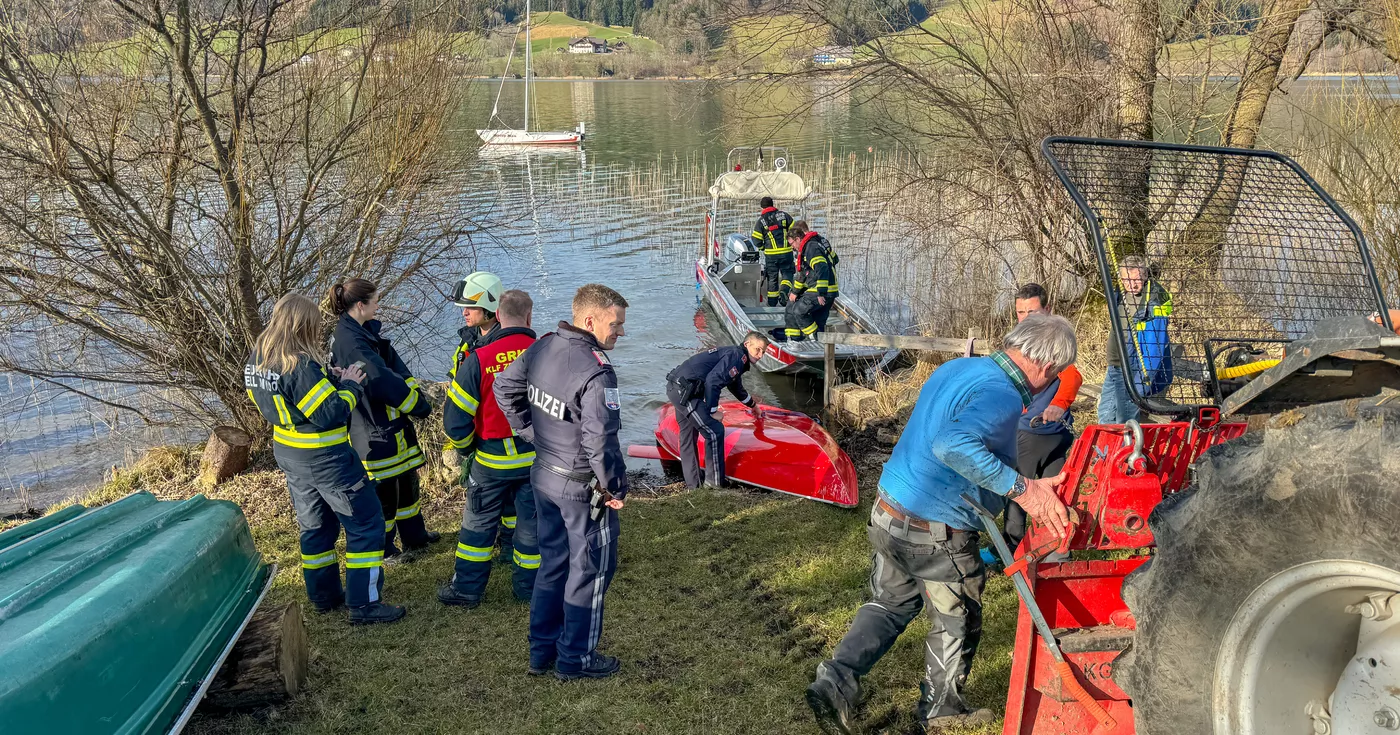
733	372
612	397
602	358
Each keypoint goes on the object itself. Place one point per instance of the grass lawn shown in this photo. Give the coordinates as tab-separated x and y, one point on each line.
721	609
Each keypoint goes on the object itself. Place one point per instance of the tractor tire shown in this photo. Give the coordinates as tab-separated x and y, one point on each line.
1313	487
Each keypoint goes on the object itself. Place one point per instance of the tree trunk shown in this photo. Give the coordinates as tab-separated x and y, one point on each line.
267	665
225	455
1205	236
1260	75
1135	57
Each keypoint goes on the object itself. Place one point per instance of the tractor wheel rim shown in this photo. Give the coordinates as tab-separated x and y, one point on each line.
1290	643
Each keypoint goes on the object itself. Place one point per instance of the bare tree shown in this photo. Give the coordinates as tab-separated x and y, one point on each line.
159	191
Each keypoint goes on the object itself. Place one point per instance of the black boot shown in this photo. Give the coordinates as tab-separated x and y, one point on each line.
328	607
830	708
376	612
448	594
432	536
599	666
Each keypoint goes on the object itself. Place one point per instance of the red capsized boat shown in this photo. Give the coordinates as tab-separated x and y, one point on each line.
784	451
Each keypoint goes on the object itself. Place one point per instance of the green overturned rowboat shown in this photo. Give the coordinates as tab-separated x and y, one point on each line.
115	619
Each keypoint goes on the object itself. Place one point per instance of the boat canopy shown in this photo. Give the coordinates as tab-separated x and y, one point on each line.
754	185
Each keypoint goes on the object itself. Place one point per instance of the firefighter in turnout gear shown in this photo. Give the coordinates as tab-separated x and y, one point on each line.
308	409
770	235
562	396
815	289
694	389
380	429
479	295
497	460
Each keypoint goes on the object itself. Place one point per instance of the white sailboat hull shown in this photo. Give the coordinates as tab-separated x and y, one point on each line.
524	137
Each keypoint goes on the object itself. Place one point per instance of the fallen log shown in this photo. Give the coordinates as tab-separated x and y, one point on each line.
225	455
267	665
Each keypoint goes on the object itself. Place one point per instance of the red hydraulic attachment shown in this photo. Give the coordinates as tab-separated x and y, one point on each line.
1113	482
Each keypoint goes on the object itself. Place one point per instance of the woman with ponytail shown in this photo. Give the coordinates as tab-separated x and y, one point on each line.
309	409
380	430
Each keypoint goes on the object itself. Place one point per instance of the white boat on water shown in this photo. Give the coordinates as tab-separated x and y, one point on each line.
524	135
730	270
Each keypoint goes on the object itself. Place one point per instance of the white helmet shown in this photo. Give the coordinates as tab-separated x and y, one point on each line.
481	290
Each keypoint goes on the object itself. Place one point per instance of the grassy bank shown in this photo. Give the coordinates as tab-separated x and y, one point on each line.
723	605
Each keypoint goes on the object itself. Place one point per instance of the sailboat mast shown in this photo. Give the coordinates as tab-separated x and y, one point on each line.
527	66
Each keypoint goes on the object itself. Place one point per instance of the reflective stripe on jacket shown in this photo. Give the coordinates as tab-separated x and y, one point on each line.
472	420
380	429
308	410
770	234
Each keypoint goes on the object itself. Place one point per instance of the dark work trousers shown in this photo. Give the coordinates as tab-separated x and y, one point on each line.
492	496
398	498
1037	456
938	571
805	317
578	556
320	514
695	423
778	271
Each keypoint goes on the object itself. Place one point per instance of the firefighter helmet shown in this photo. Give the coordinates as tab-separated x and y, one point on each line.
481	290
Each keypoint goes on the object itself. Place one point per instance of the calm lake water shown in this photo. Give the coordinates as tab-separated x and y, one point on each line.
625	209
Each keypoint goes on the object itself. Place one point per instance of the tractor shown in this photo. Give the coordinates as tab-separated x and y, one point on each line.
1270	604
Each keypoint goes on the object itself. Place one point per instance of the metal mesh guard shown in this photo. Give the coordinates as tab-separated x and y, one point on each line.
1245	252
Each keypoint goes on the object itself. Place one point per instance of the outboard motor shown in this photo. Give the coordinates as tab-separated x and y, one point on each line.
739	248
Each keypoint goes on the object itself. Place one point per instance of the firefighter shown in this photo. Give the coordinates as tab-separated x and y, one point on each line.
309	409
497	462
479	294
694	389
380	429
562	396
961	439
770	235
814	289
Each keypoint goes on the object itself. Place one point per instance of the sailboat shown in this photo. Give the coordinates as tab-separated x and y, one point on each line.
524	136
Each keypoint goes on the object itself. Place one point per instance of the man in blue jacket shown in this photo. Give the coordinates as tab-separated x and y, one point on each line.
1144	308
694	388
960	439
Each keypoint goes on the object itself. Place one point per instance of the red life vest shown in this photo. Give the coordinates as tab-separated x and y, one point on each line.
494	357
802	245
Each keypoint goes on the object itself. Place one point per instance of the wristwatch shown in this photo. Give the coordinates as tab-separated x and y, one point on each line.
1018	488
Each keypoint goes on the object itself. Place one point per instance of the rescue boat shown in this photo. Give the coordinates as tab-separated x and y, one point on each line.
783	451
729	272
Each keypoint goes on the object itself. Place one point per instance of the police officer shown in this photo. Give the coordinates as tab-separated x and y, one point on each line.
308	409
497	461
562	396
694	389
815	287
770	235
380	429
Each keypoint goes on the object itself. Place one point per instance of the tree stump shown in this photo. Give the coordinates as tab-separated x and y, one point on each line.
267	665
225	455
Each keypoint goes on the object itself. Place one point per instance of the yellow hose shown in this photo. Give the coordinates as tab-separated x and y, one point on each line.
1239	371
